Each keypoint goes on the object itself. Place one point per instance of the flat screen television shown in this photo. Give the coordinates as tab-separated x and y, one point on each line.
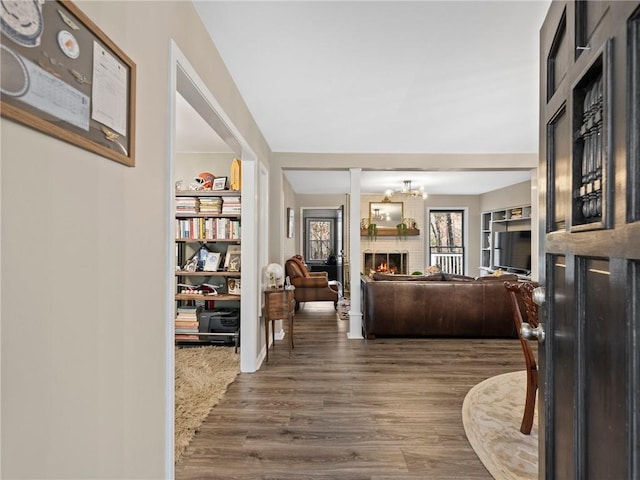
512	250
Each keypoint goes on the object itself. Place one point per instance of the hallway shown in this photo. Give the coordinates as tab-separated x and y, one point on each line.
349	409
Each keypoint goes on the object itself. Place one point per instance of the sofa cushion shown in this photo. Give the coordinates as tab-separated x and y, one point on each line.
296	268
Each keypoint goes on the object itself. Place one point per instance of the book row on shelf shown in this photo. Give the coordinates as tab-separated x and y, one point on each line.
208	205
208	228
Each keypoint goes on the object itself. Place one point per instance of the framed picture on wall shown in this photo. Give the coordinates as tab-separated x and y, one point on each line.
386	214
65	77
289	222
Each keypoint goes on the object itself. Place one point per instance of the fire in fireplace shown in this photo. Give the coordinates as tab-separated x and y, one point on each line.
386	262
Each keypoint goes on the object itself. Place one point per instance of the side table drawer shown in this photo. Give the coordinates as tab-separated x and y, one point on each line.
278	311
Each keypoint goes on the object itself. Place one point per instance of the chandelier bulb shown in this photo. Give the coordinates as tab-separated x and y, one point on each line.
407	190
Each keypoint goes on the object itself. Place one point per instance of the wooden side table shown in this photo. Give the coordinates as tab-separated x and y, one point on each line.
279	304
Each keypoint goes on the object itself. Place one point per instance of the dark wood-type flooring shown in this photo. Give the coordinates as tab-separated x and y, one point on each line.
349	409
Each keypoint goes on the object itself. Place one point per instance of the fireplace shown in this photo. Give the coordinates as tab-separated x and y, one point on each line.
385	262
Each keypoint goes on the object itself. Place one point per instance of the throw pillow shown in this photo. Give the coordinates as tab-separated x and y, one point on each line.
502	278
451	277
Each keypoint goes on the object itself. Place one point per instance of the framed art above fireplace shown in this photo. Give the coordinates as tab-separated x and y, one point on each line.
386	214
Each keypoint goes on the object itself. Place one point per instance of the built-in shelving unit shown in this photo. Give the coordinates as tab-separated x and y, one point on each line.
208	266
510	219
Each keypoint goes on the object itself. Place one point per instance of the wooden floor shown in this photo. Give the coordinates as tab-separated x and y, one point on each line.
349	409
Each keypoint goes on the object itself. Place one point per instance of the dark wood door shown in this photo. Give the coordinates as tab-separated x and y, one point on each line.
590	238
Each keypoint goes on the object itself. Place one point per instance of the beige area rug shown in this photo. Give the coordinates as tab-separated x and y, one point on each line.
491	414
202	377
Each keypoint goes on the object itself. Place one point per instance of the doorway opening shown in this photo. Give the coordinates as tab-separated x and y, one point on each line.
323	240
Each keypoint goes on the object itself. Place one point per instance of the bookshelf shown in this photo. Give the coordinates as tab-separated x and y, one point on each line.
207	266
516	218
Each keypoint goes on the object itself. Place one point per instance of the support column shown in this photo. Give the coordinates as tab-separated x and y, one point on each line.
355	313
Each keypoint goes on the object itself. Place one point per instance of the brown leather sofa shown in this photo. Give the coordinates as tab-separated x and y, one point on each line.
436	306
310	286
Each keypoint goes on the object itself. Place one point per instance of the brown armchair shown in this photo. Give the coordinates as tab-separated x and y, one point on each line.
310	286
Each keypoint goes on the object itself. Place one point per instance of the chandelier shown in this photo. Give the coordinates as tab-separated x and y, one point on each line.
379	214
407	191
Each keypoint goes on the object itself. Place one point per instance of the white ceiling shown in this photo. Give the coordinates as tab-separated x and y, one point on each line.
193	134
434	183
385	77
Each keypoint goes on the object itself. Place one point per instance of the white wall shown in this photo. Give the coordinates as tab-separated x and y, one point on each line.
83	252
513	196
412	245
290	246
525	193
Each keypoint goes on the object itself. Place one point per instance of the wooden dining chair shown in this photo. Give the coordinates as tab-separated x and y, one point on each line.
520	296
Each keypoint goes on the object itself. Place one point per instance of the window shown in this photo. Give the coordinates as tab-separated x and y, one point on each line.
446	240
320	233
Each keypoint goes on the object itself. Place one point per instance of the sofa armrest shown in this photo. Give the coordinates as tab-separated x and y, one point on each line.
324	275
310	282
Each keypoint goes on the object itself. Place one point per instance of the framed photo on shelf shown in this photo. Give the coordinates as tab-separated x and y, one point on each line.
197	261
219	183
232	259
211	262
233	286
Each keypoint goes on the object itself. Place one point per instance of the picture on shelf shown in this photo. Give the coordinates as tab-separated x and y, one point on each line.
197	261
232	259
233	286
211	262
219	183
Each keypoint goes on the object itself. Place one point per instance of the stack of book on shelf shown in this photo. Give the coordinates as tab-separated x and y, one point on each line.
211	205
231	205
187	205
186	323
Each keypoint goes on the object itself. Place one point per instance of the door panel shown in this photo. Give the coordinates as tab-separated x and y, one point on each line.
633	157
559	171
558	60
561	322
633	313
590	149
591	100
588	14
604	375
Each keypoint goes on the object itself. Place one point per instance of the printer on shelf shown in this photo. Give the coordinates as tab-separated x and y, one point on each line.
219	320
